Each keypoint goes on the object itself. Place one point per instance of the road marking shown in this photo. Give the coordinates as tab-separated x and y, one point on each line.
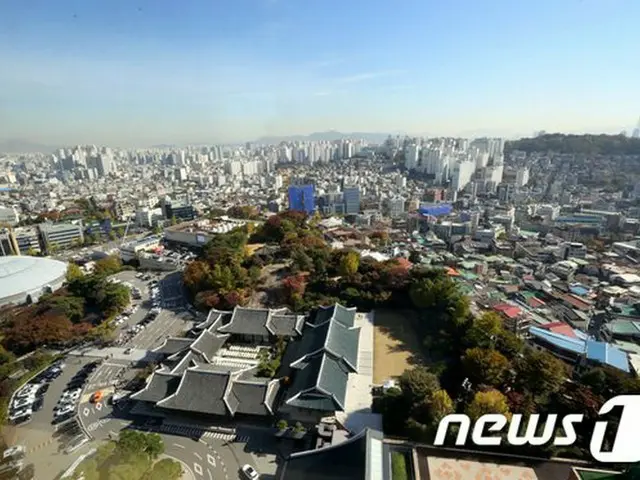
197	468
178	445
197	455
86	412
98	406
211	460
209	472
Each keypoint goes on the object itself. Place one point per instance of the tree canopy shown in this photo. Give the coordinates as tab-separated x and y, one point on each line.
587	144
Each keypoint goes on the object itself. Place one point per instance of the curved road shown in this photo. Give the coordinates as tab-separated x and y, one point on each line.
208	461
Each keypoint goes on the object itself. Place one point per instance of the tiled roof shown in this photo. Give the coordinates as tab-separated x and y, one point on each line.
200	391
247	321
285	325
207	344
173	345
159	386
320	383
262	322
343	343
344	315
254	397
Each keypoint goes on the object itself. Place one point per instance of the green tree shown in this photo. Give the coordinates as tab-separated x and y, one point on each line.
540	373
174	220
441	296
349	264
165	469
484	331
73	272
418	384
108	266
440	406
491	401
484	366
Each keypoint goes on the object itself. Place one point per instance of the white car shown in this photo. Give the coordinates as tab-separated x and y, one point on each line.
249	472
23	402
26	412
28	391
64	411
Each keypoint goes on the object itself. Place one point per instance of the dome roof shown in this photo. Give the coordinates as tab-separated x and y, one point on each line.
20	274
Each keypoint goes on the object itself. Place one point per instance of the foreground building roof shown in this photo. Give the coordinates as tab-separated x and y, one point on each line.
359	458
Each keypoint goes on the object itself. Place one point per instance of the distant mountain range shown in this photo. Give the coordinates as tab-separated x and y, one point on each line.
16	145
327	136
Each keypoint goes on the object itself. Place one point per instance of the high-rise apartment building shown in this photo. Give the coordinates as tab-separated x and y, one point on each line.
351	200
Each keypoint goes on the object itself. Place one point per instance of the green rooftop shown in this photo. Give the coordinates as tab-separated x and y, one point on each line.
596	475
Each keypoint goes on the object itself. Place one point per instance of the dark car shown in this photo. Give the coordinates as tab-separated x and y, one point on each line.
73	384
37	405
43	389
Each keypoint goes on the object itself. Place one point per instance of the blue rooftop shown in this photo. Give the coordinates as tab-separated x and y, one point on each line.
575	345
608	354
579	290
601	352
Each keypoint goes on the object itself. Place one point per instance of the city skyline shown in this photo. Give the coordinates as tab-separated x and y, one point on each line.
136	74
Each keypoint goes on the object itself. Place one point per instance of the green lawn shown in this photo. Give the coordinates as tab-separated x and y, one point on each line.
399	466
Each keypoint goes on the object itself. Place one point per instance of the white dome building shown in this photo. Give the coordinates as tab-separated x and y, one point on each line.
25	279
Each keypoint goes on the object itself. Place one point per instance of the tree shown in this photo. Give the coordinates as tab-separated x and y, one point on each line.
441	296
440	406
484	366
540	373
484	330
165	469
108	266
417	384
173	221
132	442
349	264
73	272
491	401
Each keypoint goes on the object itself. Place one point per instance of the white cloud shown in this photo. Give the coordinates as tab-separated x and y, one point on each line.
363	77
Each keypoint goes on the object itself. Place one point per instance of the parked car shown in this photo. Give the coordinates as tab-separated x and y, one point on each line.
23	402
249	472
20	416
97	396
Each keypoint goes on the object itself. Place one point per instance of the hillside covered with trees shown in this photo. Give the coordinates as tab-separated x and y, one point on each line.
586	144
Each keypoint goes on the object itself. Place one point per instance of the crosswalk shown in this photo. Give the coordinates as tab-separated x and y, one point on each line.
205	434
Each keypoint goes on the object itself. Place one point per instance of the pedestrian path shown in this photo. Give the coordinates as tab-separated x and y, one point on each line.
188	431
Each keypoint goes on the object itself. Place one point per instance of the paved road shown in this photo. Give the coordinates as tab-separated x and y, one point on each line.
209	458
166	324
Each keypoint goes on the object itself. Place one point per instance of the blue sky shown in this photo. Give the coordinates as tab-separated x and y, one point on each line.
136	72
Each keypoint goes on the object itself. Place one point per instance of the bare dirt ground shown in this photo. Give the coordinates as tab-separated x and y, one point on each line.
270	278
396	345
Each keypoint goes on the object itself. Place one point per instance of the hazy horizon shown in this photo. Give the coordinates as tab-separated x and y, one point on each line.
143	73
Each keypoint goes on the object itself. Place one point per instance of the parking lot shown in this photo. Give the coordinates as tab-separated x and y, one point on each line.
49	439
158	312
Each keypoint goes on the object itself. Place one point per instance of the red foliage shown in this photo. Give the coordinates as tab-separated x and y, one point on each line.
81	329
26	334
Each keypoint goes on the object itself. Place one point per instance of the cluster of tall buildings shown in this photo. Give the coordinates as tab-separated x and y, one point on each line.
456	161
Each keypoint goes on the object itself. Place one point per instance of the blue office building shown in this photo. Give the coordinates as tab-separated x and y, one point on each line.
301	198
